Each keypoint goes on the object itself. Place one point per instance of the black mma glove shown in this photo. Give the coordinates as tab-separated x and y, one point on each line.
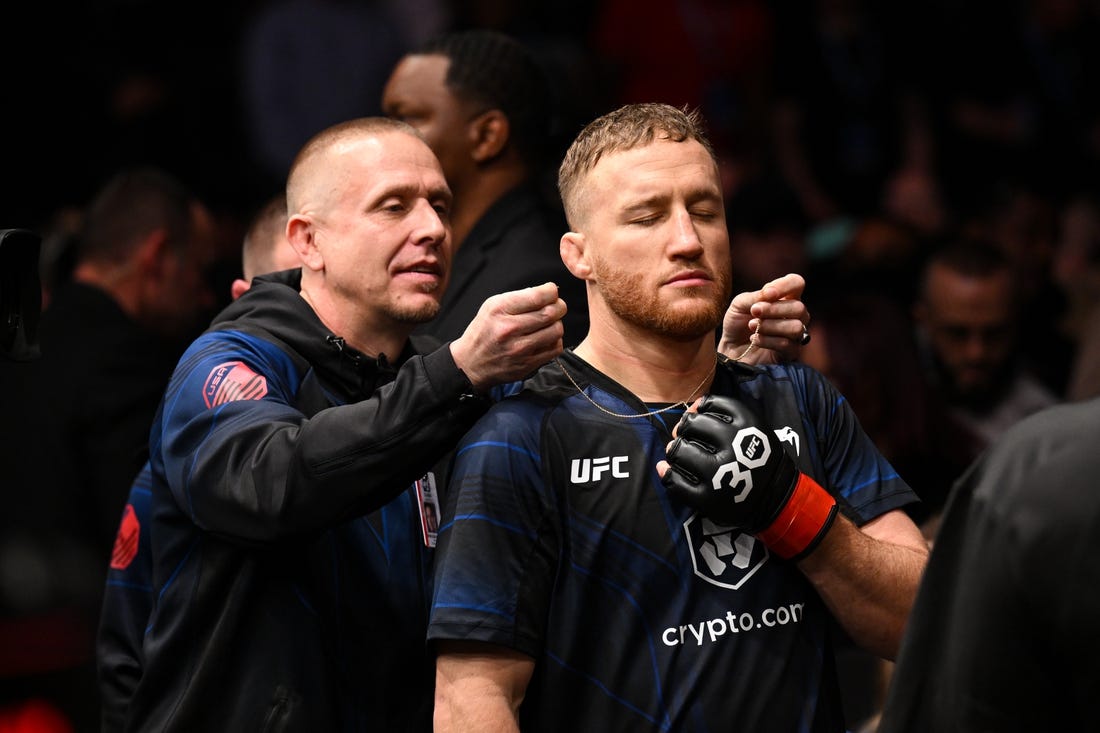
728	465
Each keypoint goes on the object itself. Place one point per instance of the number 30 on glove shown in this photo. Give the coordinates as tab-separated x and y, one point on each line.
731	468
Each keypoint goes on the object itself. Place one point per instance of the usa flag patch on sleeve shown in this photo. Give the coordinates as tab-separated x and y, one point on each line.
126	541
233	381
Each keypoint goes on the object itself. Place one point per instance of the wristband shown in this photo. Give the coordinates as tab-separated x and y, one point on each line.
802	522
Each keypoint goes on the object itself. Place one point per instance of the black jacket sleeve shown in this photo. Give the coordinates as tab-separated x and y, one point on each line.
258	469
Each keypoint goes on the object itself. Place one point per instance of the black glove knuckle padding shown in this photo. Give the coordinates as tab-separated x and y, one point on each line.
757	476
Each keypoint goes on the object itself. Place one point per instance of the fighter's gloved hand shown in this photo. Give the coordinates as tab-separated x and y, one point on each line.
728	465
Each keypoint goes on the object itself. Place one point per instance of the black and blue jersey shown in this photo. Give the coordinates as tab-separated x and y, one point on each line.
559	541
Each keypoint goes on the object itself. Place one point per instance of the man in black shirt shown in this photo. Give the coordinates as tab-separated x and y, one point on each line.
1003	634
483	104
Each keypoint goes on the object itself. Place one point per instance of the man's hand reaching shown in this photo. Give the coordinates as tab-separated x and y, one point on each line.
512	335
772	319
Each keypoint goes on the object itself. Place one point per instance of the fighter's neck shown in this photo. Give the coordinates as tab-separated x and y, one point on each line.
655	370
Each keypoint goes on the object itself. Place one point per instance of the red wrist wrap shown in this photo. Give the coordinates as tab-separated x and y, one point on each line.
804	519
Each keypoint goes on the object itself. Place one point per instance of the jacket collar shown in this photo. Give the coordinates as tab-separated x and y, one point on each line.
274	308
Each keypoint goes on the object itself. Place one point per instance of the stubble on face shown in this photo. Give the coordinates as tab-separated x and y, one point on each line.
658	180
627	297
411	314
398	238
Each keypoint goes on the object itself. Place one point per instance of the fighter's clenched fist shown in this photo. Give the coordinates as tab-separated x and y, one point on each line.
728	465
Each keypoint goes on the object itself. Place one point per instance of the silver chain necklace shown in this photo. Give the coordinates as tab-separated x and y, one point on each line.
604	410
658	411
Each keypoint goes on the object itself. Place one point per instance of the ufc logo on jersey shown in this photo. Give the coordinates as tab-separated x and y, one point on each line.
586	470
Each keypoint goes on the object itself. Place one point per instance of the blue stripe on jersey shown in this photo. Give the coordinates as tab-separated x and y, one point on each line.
302	598
498	444
600	529
650	635
846	493
664	724
495	522
510	617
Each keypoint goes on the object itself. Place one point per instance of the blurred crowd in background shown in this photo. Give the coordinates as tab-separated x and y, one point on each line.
853	135
850	132
930	113
932	168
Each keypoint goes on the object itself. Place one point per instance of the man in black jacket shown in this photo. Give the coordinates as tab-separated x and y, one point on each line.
294	451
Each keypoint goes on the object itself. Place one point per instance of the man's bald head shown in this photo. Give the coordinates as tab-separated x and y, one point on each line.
312	172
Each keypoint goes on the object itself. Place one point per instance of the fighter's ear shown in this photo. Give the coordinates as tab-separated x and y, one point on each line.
574	254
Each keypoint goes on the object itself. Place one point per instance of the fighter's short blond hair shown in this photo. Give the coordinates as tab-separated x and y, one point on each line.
626	128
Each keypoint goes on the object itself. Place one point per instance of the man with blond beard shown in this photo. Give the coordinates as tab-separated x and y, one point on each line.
581	583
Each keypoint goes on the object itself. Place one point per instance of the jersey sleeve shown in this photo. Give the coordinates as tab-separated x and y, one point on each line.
495	564
243	461
855	470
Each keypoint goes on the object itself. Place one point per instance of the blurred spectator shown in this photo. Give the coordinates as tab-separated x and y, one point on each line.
848	116
1076	271
1023	222
265	248
895	404
109	339
914	197
1075	262
767	232
308	64
874	254
420	20
713	55
966	315
481	100
1016	94
1084	380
